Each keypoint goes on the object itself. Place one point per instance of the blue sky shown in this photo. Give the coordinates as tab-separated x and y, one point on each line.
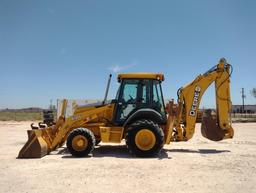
66	49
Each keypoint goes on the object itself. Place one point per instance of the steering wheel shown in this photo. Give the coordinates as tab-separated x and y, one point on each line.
131	98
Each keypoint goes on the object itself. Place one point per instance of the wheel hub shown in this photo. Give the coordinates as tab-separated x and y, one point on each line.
79	143
145	139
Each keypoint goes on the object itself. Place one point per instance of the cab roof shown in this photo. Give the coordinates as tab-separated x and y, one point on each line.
140	75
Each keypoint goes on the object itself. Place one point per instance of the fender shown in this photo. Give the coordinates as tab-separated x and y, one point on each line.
146	113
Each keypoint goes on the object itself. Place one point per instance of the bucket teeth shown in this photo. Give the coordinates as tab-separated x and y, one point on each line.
35	147
33	127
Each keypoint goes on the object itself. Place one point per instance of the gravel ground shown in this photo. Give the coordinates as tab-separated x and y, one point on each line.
198	165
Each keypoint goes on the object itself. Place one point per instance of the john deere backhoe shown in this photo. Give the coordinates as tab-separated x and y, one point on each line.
138	115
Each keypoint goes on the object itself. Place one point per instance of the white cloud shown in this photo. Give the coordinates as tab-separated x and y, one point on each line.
115	68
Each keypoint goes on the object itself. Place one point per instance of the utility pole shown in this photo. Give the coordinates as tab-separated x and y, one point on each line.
243	97
50	104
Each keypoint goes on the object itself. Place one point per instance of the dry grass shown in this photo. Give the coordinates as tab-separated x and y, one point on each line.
239	117
20	116
33	116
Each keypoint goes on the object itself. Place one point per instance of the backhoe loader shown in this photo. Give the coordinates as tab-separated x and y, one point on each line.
138	115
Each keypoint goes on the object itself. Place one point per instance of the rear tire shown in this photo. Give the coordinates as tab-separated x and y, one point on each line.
144	138
80	142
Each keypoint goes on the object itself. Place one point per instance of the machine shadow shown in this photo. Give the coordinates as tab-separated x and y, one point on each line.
200	151
117	151
121	151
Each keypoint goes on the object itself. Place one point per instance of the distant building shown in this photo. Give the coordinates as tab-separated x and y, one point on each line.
247	108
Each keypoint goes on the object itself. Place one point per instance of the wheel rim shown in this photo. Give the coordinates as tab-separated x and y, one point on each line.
79	143
145	139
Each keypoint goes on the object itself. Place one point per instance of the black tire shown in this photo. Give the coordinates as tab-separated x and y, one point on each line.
97	141
138	126
82	132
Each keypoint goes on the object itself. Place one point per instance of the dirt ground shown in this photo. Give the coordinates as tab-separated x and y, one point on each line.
198	165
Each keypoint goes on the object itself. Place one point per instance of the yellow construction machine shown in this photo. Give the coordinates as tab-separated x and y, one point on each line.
138	115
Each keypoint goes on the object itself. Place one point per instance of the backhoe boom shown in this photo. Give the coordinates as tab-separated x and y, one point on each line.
189	98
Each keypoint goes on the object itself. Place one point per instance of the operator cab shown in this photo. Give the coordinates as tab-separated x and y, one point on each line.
139	95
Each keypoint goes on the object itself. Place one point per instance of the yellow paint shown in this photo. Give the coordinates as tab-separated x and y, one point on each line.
111	134
142	75
79	143
145	139
220	76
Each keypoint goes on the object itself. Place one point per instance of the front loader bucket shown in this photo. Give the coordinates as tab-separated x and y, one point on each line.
211	130
35	147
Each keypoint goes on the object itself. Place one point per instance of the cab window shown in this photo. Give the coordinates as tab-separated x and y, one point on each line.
135	94
158	102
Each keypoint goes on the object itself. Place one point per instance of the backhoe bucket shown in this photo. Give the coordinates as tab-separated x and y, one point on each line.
211	130
36	146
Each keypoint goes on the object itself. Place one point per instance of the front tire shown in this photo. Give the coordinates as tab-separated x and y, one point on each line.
144	138
97	142
80	142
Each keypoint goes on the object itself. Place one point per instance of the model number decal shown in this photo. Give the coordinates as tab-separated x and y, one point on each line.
192	111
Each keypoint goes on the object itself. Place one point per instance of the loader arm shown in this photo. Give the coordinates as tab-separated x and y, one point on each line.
75	121
189	97
43	141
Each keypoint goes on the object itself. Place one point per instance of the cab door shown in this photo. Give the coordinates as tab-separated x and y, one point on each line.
134	94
